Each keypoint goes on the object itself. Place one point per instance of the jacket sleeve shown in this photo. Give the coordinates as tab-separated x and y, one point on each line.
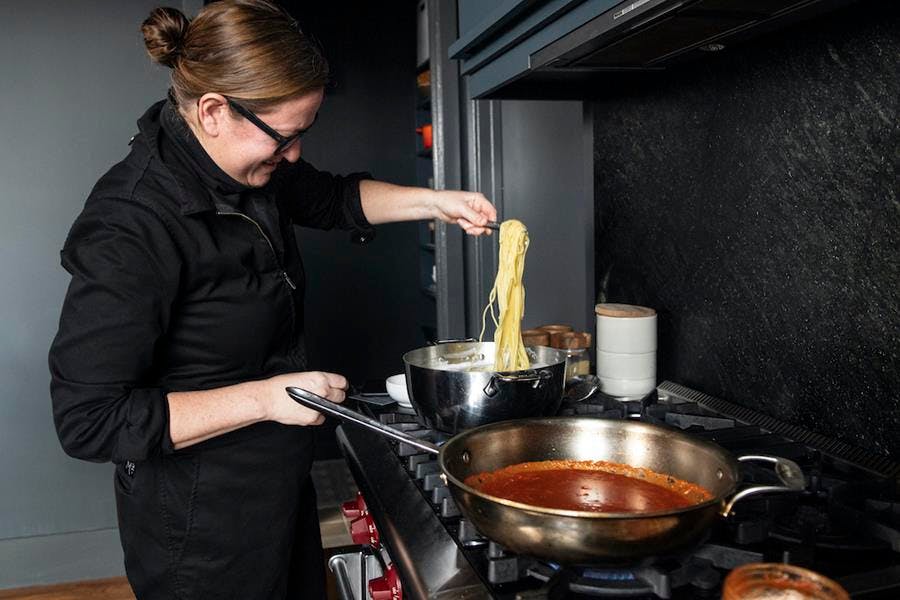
124	277
322	200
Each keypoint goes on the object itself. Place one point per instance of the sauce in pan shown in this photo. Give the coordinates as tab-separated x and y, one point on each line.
595	486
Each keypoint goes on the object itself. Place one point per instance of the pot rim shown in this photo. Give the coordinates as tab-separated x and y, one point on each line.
717	501
560	359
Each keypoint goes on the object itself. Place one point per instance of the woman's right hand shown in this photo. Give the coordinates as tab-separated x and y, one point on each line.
282	408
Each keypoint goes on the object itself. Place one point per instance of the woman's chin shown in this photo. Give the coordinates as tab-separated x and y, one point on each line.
261	176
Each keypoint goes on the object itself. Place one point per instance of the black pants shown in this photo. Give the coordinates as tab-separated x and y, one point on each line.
231	520
307	571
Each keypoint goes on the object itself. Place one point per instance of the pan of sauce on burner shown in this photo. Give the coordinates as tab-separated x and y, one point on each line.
593	486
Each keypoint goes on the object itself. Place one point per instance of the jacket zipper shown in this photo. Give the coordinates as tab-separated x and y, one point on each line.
284	275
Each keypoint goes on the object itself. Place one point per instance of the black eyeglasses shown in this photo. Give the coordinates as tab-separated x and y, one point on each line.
283	142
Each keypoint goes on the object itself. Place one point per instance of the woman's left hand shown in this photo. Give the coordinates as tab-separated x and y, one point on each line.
469	210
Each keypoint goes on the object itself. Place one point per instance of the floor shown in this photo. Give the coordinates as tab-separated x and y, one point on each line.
115	588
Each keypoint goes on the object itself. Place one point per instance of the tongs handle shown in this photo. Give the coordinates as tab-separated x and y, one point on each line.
318	403
493	225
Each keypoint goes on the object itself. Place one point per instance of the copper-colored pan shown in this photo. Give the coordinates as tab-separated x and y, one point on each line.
579	536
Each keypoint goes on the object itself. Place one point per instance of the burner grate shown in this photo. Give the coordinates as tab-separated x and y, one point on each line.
879	465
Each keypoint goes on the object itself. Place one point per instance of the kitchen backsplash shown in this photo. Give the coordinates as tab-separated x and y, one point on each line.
751	198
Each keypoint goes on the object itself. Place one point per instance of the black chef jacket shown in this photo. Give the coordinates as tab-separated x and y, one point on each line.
182	279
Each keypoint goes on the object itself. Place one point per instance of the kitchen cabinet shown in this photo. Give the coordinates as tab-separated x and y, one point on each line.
425	177
533	49
495	47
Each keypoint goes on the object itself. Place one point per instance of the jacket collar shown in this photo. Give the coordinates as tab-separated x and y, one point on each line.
200	184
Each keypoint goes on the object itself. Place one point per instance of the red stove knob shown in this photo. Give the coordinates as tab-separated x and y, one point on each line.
355	508
362	531
387	587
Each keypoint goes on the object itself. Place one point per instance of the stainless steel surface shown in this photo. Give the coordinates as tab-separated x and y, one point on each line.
316	402
441	555
576	536
352	572
579	536
450	396
431	564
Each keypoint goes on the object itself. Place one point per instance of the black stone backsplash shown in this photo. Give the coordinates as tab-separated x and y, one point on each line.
751	198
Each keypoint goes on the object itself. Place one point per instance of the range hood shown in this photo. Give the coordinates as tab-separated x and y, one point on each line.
652	34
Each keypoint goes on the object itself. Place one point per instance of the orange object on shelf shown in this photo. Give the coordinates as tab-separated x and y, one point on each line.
425	131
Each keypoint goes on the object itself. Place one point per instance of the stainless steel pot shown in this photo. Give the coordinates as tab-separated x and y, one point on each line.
577	536
453	386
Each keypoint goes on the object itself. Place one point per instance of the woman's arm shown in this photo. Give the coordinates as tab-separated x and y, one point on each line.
198	416
385	203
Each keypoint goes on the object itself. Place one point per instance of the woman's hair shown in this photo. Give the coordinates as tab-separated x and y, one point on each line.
250	50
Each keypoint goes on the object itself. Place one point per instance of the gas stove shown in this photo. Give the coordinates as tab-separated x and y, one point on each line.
845	524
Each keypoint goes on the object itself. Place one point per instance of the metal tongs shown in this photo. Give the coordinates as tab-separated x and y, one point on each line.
493	225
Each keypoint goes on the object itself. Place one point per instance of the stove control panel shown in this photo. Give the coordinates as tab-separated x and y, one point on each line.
372	567
363	531
386	587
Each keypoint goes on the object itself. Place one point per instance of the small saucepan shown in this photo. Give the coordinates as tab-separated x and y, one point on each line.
453	385
569	536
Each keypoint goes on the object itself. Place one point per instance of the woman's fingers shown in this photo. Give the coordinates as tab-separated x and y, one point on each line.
472	229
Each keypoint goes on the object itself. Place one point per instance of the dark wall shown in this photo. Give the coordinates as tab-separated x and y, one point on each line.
358	297
752	199
361	300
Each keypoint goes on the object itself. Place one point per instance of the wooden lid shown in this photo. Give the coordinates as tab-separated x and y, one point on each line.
623	310
570	339
554	328
536	337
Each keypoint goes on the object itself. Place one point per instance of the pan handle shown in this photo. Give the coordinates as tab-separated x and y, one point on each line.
789	472
537	376
318	403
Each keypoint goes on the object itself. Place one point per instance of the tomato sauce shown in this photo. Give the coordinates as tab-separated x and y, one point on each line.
595	486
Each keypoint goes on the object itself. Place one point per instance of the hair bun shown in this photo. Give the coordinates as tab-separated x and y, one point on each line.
164	32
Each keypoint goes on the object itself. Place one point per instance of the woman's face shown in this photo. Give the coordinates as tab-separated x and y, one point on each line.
247	153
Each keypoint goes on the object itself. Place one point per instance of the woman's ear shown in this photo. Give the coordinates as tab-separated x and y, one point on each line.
212	113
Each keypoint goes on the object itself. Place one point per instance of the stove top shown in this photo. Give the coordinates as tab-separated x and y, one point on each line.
845	524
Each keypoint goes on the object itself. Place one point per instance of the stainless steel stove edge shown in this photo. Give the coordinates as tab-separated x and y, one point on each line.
430	563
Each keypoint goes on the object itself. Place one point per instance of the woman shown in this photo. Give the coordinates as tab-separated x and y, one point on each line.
183	322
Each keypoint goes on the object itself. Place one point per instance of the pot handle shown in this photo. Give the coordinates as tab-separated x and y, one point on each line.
789	472
451	341
318	403
537	376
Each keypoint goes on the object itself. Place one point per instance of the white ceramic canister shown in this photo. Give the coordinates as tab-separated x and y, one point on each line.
626	349
626	366
625	329
627	388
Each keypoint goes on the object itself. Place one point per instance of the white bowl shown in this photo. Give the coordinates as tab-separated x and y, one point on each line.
396	389
626	366
626	388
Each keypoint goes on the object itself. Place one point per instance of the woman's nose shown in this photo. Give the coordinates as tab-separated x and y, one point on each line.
292	152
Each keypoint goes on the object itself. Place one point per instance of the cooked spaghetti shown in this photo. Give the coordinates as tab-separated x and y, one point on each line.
509	294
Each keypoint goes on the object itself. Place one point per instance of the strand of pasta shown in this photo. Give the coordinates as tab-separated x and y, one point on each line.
509	294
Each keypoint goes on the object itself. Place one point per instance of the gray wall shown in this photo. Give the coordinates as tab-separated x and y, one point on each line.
74	81
546	169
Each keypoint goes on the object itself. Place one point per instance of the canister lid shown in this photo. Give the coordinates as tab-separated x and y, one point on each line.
536	337
623	310
554	328
570	339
